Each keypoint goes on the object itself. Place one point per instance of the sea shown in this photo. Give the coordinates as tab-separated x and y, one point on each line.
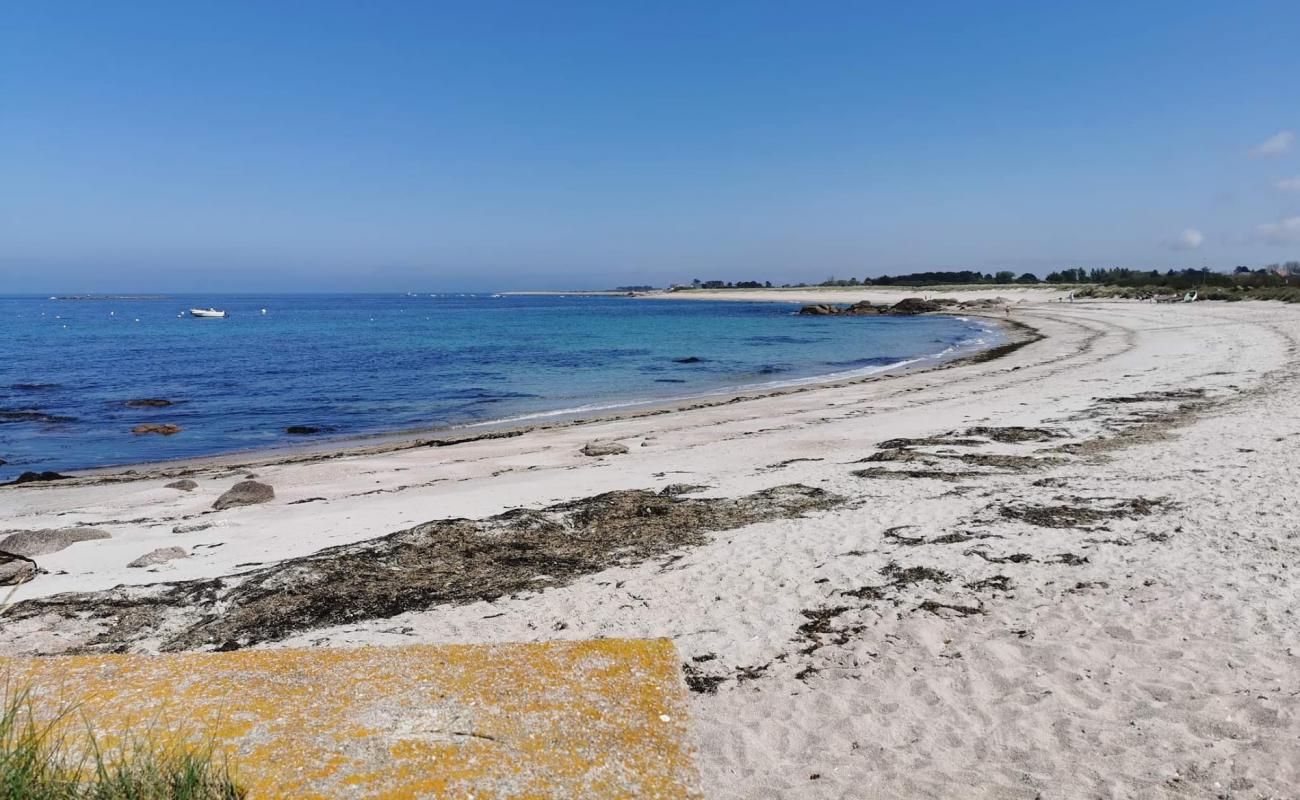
352	366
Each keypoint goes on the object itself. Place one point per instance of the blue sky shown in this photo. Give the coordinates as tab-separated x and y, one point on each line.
392	146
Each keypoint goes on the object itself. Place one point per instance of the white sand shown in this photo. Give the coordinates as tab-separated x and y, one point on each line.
1165	665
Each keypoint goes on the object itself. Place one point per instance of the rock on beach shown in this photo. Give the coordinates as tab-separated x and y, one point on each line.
245	493
49	540
603	449
15	569
160	556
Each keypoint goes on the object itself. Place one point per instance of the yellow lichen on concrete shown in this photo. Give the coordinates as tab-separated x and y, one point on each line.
590	719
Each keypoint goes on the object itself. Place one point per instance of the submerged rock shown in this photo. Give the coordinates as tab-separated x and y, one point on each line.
15	569
165	428
160	556
245	493
303	430
148	402
603	449
29	415
49	540
185	485
689	360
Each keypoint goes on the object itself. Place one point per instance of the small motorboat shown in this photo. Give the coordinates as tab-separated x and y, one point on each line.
207	312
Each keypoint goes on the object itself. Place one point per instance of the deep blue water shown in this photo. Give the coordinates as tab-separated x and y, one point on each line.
378	363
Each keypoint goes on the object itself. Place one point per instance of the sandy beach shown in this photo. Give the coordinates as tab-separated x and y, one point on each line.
1065	572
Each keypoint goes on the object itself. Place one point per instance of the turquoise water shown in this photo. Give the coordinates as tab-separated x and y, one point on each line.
355	365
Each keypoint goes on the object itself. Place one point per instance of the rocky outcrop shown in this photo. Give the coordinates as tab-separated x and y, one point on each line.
244	493
863	308
185	485
819	310
49	540
303	430
15	569
160	556
859	309
165	428
914	305
148	402
603	449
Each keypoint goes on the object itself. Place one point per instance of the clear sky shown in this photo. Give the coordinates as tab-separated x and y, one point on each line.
271	146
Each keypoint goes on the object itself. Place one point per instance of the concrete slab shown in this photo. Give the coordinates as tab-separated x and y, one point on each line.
587	719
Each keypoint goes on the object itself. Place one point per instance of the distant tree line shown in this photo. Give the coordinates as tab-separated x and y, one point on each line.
1274	275
699	284
936	279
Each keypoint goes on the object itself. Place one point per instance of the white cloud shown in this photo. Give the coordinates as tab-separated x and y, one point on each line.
1274	145
1189	239
1284	231
1289	184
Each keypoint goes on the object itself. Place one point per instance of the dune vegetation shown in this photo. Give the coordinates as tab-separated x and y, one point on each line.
58	756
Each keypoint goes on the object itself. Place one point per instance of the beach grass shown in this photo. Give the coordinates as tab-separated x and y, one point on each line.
59	757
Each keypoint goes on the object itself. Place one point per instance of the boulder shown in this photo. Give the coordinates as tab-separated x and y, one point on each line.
302	430
244	493
688	360
48	540
160	556
603	449
35	477
15	569
166	429
148	402
914	305
185	485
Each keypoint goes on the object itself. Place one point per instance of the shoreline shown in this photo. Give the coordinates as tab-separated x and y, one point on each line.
1017	334
1071	551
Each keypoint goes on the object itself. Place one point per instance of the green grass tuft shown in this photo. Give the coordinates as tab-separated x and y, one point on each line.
40	759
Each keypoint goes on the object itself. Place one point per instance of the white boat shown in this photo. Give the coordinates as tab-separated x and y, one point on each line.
206	312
